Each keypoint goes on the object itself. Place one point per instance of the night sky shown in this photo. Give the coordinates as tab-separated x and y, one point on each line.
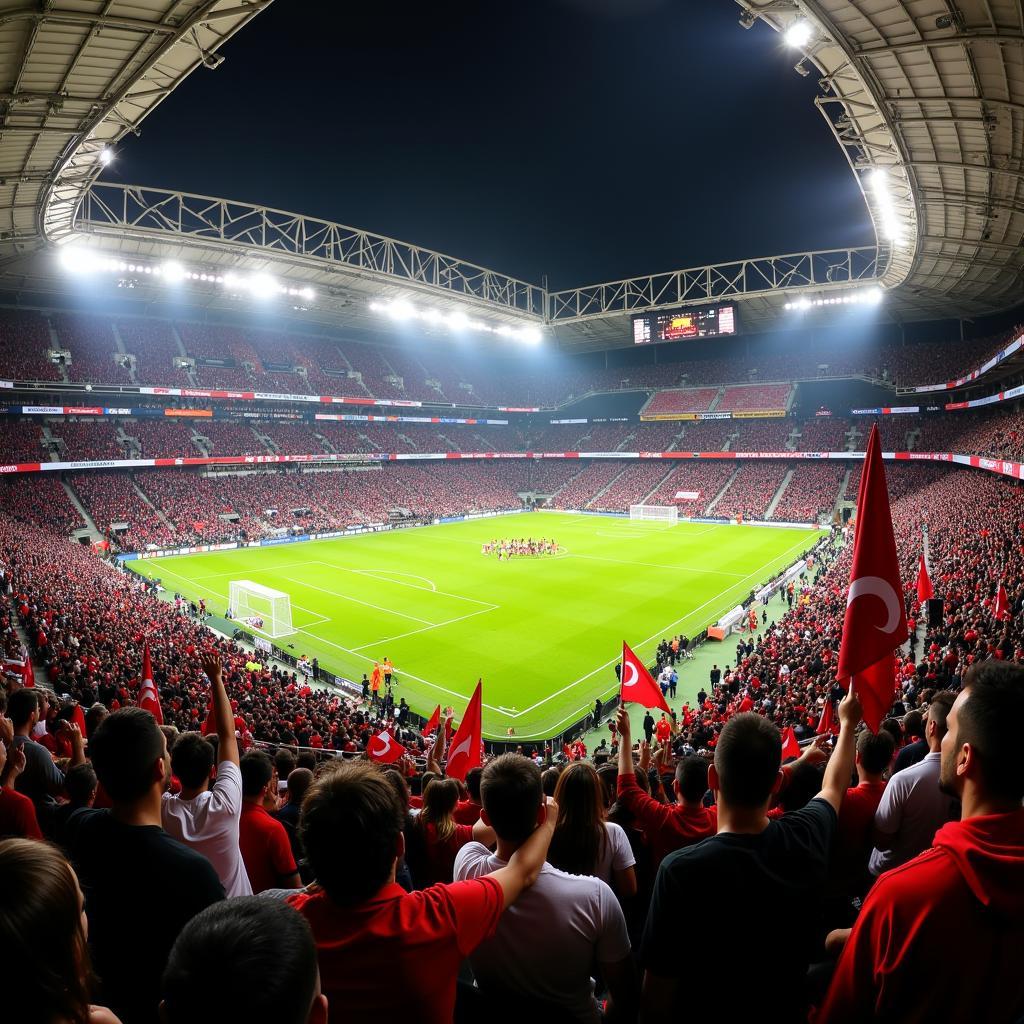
582	139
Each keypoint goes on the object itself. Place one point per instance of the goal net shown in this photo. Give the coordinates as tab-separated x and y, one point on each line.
269	611
654	513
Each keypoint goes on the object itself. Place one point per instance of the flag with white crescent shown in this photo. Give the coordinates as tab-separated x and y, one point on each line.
464	752
149	699
876	621
637	685
384	748
1002	608
790	744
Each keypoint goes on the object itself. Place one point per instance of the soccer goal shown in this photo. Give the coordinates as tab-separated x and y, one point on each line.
269	611
654	513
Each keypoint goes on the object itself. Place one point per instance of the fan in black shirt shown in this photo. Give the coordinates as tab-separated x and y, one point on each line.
746	889
141	886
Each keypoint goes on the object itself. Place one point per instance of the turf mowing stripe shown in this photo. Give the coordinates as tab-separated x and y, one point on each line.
348	597
439	625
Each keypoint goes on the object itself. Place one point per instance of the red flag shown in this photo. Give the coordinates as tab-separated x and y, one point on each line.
465	749
638	686
790	744
149	699
78	717
827	723
925	590
384	748
435	721
210	725
28	676
447	732
1002	609
873	629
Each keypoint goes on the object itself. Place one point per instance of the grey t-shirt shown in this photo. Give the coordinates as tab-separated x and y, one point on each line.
41	776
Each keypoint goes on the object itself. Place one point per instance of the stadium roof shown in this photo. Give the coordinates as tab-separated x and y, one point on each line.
925	98
76	76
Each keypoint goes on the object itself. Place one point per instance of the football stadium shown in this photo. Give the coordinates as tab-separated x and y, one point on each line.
394	620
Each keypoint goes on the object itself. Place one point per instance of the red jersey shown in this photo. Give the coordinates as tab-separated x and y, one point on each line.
854	832
397	946
17	816
265	848
439	855
666	827
663	730
965	895
467	812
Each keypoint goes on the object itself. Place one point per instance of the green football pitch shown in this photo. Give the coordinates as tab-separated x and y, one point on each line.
543	633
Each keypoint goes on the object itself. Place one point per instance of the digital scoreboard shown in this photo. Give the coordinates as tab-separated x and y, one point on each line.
683	324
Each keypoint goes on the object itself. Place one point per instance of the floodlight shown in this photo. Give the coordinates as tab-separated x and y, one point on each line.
747	19
263	286
78	260
307	293
173	271
106	156
798	35
401	309
458	320
530	335
801	69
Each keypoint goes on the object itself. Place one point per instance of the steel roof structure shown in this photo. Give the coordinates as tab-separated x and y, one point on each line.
927	95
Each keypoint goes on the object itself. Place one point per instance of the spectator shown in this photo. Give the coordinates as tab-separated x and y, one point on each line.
200	816
299	781
379	946
441	837
17	813
41	781
857	815
43	931
916	747
969	886
263	841
81	786
545	947
133	926
246	959
782	861
467	812
666	827
913	807
584	843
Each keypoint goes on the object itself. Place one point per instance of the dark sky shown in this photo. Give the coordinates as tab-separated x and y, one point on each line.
583	139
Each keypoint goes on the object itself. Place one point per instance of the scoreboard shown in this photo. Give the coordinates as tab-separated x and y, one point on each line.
682	324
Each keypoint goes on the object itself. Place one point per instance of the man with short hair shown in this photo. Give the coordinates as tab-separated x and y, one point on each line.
648	725
916	747
666	827
546	946
743	884
913	808
940	938
204	817
263	841
299	781
245	959
857	815
378	945
467	812
140	885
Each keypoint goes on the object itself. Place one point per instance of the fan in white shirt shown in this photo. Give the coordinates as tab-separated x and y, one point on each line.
202	816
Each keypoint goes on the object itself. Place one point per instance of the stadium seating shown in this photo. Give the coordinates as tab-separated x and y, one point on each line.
85	439
673	403
812	491
755	398
90	339
632	486
24	342
752	490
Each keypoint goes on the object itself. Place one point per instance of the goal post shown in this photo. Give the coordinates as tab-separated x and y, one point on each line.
654	513
254	603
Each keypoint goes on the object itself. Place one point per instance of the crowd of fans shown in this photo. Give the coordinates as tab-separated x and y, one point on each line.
757	397
751	490
541	886
302	364
667	403
812	491
631	486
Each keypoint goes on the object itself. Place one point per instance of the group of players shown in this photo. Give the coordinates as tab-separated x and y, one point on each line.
524	546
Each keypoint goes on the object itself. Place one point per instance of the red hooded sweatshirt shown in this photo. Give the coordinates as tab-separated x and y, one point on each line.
940	938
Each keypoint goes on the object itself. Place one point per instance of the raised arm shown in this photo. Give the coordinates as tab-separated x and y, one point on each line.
227	744
625	741
840	764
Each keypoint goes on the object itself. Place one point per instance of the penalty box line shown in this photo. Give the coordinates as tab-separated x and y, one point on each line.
661	632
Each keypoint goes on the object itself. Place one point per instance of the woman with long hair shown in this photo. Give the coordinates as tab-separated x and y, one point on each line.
441	836
585	843
43	933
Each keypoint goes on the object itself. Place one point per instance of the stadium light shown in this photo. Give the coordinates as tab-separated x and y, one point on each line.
861	297
880	184
456	320
77	260
798	35
106	156
172	271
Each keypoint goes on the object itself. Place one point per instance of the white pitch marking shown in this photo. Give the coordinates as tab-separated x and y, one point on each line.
661	632
379	573
413	586
424	629
348	597
661	565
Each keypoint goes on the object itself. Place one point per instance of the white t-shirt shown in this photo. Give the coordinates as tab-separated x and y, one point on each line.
209	824
547	941
618	854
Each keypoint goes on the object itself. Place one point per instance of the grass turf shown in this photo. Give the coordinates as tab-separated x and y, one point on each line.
544	633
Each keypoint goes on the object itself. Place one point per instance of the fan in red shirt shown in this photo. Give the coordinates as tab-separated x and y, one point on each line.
467	812
263	841
960	903
17	813
378	945
666	827
442	837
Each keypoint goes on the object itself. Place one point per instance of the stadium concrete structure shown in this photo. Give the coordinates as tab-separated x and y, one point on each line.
926	100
